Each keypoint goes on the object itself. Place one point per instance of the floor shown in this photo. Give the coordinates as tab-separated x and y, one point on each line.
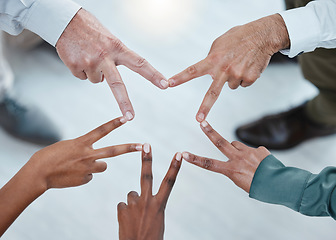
171	35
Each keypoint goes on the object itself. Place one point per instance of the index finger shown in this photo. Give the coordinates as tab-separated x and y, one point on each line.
194	71
140	65
211	97
101	131
118	88
146	180
223	145
169	180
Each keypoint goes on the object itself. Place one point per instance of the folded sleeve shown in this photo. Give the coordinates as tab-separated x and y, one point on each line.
300	190
46	18
310	27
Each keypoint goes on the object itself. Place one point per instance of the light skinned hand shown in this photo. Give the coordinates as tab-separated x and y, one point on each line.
64	164
143	216
90	51
242	161
238	57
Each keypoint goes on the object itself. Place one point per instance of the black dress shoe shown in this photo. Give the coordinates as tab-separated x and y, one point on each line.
282	131
27	123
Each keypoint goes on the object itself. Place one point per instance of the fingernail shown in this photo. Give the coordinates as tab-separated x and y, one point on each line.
146	148
138	147
123	120
204	124
129	116
164	83
171	82
200	117
185	156
178	156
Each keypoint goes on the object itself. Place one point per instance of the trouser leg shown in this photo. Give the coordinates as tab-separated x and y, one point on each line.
6	74
319	67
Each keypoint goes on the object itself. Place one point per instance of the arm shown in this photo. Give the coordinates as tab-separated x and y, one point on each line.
85	46
310	27
143	216
238	57
266	179
64	164
300	190
39	16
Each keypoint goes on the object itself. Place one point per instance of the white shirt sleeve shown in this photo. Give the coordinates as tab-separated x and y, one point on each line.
310	27
46	18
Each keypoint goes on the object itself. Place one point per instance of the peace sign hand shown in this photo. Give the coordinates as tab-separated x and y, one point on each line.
238	57
242	162
143	216
72	162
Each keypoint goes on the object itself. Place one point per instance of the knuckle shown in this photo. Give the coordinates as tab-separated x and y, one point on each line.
147	177
132	195
219	143
116	44
111	152
213	93
234	72
116	84
214	59
131	148
121	206
147	159
170	182
233	85
141	62
207	163
192	70
73	64
249	80
194	158
124	104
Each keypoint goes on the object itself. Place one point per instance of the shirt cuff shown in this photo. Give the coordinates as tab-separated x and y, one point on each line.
303	30
277	184
49	18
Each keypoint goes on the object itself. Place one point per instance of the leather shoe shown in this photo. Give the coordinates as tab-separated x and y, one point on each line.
283	131
27	123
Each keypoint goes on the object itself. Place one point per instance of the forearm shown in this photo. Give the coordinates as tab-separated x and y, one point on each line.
18	194
300	190
273	32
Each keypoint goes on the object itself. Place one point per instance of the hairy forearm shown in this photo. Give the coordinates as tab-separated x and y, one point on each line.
274	33
18	194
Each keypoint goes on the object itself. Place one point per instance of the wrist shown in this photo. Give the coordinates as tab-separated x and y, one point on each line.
35	177
272	34
278	37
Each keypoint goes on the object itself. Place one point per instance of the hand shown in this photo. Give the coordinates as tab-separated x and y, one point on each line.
143	216
242	162
64	164
71	163
90	51
238	57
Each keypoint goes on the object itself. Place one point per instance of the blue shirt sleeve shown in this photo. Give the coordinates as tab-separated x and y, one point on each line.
300	190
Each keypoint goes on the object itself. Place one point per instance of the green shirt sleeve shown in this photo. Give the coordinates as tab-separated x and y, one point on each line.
300	190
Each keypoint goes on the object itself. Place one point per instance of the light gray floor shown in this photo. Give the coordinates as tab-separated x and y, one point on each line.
203	205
